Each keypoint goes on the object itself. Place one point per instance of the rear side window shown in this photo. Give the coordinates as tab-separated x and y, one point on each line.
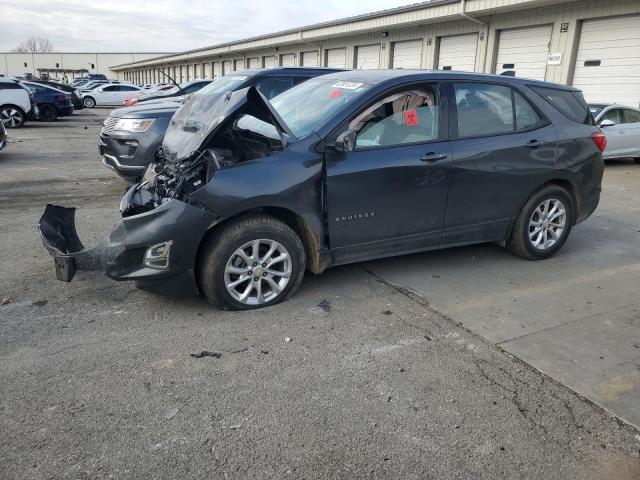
9	86
631	116
570	103
483	109
526	116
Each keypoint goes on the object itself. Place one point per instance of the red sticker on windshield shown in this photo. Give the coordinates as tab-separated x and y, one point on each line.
411	118
336	93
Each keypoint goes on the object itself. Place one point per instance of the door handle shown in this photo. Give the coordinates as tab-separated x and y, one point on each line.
433	157
535	143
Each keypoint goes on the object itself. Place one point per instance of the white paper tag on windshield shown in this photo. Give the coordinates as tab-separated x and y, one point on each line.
347	85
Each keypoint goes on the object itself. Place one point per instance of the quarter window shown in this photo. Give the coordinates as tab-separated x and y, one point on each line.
483	109
273	86
399	119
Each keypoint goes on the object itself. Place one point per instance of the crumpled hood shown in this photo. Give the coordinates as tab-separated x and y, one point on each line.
202	115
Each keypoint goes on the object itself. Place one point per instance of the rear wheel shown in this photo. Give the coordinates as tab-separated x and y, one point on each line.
543	224
251	263
48	113
12	116
89	102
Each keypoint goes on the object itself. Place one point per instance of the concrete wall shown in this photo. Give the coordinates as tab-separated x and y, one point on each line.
14	63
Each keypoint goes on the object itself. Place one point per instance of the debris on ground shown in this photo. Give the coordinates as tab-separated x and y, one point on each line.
6	301
172	412
387	312
233	349
205	353
325	305
40	303
287	339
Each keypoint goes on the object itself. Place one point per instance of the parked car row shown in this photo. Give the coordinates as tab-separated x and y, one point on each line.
132	136
246	193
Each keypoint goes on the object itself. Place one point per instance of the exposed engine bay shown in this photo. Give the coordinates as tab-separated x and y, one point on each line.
165	178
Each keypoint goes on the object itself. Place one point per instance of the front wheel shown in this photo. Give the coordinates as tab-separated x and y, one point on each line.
543	224
89	102
12	117
253	262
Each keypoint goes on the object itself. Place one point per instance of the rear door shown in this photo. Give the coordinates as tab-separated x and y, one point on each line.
614	133
107	95
502	149
390	191
631	132
123	92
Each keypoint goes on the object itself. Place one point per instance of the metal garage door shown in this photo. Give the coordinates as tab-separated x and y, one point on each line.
269	62
337	57
368	56
217	71
524	51
458	52
310	59
238	64
227	67
288	60
608	61
407	54
254	62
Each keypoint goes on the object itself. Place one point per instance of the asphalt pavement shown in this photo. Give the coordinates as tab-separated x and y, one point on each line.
353	377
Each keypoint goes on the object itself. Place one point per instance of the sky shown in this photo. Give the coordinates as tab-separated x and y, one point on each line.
164	25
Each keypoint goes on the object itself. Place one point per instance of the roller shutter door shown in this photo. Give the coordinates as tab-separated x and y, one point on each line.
238	64
608	60
288	60
458	52
269	62
525	51
217	71
407	55
227	67
337	57
367	57
310	59
254	62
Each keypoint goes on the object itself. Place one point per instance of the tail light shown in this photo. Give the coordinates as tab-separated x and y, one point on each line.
600	140
133	101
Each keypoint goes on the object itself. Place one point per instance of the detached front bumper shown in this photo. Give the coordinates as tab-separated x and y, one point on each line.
121	256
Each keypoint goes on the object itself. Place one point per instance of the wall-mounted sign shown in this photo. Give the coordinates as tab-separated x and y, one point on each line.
564	27
554	59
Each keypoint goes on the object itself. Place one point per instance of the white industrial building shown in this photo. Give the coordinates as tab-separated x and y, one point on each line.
55	65
591	44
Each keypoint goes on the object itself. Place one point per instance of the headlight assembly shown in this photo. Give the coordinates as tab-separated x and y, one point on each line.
134	125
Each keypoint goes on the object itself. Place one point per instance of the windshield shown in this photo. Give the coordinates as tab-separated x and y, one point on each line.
306	107
228	83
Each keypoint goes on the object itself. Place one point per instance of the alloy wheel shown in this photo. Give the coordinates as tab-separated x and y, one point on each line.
11	117
89	102
258	272
547	224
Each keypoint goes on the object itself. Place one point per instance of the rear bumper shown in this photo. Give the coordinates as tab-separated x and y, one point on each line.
121	255
64	111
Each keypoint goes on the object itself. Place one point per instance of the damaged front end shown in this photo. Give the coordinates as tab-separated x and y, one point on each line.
156	242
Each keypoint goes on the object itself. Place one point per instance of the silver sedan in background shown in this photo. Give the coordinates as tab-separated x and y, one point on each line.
621	125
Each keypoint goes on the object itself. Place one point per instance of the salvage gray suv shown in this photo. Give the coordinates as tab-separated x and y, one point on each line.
351	166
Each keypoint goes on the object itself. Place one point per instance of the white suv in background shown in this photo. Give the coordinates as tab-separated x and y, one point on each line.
16	103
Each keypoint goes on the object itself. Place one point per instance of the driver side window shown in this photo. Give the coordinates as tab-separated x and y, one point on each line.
614	115
406	117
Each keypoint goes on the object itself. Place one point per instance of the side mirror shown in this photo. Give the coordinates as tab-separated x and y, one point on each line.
346	141
607	123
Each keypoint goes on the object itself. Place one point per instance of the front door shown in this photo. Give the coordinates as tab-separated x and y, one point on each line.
614	133
390	191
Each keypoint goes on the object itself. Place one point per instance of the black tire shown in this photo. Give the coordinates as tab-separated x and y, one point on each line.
48	113
89	102
12	116
220	248
519	241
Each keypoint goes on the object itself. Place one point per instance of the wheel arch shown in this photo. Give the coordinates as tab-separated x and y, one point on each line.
4	105
564	183
310	240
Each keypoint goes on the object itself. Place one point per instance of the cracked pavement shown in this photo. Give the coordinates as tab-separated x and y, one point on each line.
98	379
